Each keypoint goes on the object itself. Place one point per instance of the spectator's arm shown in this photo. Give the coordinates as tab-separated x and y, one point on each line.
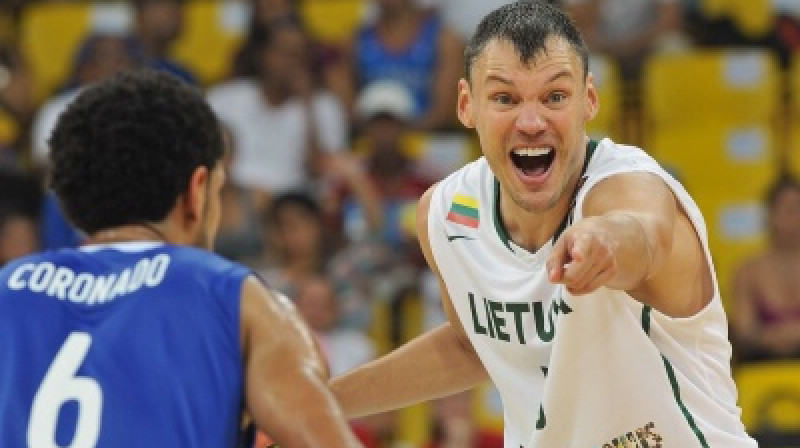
444	91
346	168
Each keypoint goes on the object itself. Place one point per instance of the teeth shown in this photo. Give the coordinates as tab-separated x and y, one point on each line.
532	151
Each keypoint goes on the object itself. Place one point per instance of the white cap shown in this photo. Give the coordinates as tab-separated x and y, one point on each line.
385	97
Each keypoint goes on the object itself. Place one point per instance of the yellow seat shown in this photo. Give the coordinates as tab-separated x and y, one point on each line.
724	85
755	18
716	8
212	32
49	34
735	232
735	158
608	85
333	21
769	394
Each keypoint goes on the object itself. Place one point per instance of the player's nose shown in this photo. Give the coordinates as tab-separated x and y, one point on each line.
530	119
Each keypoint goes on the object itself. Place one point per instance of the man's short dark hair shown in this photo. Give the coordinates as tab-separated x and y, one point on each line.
292	199
125	149
527	25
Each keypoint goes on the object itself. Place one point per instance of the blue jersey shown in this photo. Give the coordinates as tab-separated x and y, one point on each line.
414	66
124	345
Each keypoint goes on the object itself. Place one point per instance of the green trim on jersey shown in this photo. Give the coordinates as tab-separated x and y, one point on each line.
673	381
502	232
498	223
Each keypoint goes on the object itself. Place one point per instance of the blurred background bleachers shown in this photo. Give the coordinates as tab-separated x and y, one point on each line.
710	88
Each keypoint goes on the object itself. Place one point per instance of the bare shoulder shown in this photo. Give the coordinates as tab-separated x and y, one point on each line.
270	323
423	210
625	190
258	301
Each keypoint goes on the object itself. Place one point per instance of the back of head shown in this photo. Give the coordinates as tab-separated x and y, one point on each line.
527	25
123	152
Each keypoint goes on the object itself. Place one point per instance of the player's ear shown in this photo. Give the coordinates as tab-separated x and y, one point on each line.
592	105
465	105
195	200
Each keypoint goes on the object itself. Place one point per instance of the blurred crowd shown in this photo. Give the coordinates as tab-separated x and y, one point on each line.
333	140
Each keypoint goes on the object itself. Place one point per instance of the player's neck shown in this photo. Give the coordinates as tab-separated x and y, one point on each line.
531	230
127	233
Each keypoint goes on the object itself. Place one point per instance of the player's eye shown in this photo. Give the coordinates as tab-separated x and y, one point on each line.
503	99
556	97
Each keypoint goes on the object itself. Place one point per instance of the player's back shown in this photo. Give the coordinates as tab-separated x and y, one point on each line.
124	345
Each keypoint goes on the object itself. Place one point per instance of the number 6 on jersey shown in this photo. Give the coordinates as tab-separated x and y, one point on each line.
59	386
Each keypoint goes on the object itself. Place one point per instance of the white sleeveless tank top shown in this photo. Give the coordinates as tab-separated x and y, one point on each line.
594	371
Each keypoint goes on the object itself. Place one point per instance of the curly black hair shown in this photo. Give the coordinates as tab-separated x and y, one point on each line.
125	149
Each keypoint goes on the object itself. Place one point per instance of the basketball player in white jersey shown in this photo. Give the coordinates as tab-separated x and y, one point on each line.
575	273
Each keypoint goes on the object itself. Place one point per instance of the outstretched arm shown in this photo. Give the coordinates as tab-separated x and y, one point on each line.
286	391
441	362
634	237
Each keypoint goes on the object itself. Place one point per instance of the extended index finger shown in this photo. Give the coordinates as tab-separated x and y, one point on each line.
559	258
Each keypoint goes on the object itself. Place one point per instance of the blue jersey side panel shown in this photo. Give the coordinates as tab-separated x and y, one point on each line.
164	346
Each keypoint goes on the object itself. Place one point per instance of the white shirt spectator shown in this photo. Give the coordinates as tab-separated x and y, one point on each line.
45	121
345	349
272	141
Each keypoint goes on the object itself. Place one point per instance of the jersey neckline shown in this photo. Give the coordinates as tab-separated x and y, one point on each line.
122	246
502	232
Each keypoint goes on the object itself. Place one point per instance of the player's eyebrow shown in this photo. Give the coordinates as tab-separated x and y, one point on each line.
561	74
498	78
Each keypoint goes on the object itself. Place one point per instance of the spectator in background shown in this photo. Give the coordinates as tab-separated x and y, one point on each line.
239	236
18	235
766	314
327	60
99	57
411	45
263	14
344	348
301	245
20	202
297	247
282	123
384	110
16	106
455	425
464	15
626	30
158	23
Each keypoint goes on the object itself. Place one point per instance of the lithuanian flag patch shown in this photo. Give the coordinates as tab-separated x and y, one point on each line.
464	211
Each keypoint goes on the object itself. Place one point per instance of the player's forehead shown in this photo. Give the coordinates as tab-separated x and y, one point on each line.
500	57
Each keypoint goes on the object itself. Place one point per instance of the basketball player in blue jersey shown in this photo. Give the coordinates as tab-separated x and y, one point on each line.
141	337
576	273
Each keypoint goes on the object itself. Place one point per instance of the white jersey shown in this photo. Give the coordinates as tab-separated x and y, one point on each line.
599	370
